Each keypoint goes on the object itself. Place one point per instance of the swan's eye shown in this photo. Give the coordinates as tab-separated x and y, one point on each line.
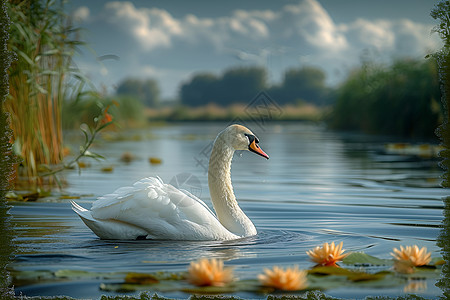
251	138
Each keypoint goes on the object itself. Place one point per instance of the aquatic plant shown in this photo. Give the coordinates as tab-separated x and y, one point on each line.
41	78
207	272
291	279
412	255
401	100
328	254
90	133
441	13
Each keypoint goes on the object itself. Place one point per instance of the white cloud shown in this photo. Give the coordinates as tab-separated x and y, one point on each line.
81	14
154	43
391	38
367	33
152	28
310	21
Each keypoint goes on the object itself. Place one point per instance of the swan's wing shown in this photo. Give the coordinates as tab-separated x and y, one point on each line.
107	229
162	210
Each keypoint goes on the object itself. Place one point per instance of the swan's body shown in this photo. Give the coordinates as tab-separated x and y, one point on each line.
153	210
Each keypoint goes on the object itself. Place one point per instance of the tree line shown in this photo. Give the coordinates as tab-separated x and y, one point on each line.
240	85
236	85
401	99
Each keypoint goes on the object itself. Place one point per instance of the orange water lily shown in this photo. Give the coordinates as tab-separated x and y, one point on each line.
328	254
209	273
412	255
292	279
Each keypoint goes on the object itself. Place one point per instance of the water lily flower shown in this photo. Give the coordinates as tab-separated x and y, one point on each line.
209	273
292	279
412	255
328	254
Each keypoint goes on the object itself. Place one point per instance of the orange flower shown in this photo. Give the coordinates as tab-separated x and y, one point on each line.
106	116
412	255
328	254
292	279
209	273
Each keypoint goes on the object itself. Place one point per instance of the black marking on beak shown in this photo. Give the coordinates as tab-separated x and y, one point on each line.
253	146
251	138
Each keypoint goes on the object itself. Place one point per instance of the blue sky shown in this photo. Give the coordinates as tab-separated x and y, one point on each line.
171	40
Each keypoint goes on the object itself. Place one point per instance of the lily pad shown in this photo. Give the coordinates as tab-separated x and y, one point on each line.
22	278
350	274
140	278
437	261
155	160
162	286
209	290
363	259
83	274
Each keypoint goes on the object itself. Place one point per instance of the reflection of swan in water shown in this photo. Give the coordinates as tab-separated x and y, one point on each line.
153	210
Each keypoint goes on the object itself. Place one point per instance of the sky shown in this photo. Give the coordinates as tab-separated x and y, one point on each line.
172	40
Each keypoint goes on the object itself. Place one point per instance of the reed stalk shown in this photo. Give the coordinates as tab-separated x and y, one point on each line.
42	39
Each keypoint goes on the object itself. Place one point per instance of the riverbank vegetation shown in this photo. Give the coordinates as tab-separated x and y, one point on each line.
242	84
41	78
401	100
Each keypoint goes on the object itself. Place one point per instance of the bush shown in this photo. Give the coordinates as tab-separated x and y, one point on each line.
402	100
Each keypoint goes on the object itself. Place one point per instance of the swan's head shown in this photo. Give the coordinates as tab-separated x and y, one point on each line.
241	138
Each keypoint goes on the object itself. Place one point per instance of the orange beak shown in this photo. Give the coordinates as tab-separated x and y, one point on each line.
255	148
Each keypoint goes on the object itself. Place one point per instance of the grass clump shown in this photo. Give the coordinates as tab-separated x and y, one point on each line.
41	77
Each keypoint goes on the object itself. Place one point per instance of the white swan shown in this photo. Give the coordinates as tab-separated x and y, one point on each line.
151	209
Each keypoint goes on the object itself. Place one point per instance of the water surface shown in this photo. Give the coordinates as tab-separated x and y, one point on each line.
318	186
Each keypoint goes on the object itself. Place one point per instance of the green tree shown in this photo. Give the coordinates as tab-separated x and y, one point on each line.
200	90
306	84
401	100
236	85
241	85
147	91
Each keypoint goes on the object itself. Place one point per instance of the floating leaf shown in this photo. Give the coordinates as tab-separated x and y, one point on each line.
361	258
248	285
164	286
22	278
127	157
350	274
209	290
108	169
82	164
437	261
72	273
170	276
140	278
154	160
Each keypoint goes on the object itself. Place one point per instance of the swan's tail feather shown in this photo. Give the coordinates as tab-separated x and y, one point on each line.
108	229
81	211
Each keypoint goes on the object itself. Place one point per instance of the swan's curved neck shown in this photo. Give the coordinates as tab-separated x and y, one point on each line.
222	196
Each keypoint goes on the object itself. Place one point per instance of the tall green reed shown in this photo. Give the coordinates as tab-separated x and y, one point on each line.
41	78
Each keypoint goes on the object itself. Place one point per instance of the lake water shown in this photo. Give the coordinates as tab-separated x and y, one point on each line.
318	186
